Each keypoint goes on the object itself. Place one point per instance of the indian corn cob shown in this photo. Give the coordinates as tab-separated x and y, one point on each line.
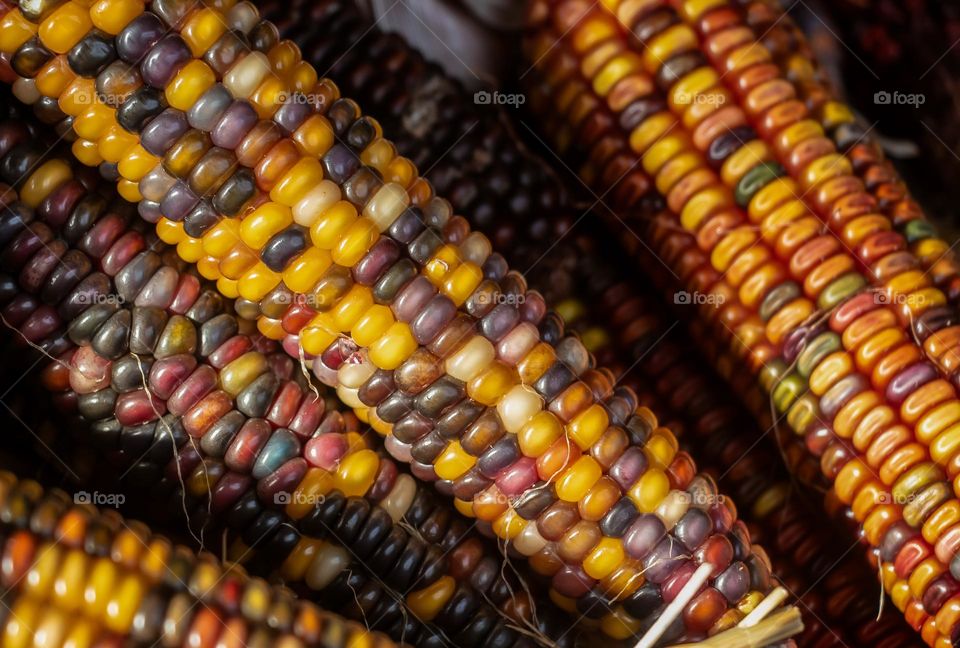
76	576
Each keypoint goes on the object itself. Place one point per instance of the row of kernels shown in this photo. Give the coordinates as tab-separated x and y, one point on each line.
498	390
505	215
726	112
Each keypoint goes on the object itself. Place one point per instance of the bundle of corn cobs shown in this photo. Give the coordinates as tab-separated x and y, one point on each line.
645	344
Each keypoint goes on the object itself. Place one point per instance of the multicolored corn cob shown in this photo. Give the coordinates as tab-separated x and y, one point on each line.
76	576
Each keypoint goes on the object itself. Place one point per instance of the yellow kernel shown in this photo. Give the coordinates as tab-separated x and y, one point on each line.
42	182
124	603
357	240
465	508
661	448
444	260
202	29
372	325
77	96
305	271
271	328
318	334
222	237
327	230
93	121
297	181
579	478
539	433
257	282
64	28
491	384
461	283
605	557
356	473
189	84
86	152
15	30
587	426
19	630
54	77
395	346
263	222
268	96
453	462
426	603
136	163
351	307
316	483
112	16
115	143
508	525
619	625
170	232
238	261
190	249
227	288
209	268
239	373
314	137
649	490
